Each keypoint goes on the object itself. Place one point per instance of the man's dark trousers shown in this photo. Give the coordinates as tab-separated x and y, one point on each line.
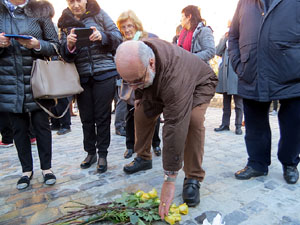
258	133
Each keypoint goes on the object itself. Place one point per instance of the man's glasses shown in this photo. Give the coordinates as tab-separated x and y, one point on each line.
139	81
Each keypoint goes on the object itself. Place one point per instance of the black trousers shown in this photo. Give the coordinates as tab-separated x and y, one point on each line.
258	133
94	105
130	134
40	122
6	128
238	102
65	121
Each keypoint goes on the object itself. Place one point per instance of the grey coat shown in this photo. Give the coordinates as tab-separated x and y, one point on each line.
203	43
228	80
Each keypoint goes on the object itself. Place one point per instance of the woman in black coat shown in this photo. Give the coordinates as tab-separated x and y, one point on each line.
96	67
31	18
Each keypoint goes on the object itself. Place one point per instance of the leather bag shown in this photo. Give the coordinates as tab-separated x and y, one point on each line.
53	79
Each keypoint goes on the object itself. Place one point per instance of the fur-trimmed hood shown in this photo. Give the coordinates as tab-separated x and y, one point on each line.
35	8
67	19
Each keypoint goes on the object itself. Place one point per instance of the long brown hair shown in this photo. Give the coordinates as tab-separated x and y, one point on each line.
196	16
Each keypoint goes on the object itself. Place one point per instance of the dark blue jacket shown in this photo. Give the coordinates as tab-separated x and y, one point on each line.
15	60
264	47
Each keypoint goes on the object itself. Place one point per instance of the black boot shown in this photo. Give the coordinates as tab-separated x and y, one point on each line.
191	192
221	128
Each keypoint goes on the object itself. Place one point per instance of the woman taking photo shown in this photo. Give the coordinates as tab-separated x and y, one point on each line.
95	64
33	19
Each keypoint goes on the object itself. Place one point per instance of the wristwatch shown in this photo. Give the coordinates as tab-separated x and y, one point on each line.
170	176
169	179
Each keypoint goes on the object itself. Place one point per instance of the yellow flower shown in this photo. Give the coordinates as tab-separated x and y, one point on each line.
153	193
157	201
139	193
170	219
145	196
183	209
174	210
177	217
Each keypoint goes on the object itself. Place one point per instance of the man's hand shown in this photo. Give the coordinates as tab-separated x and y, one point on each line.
166	198
137	103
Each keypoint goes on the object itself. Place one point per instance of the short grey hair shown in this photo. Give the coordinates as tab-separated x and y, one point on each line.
145	53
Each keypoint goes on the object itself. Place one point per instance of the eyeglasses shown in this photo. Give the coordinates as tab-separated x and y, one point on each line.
129	26
139	81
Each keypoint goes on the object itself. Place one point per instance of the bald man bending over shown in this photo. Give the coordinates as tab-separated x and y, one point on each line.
169	80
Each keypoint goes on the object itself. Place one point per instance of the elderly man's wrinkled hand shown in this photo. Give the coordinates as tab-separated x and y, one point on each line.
166	198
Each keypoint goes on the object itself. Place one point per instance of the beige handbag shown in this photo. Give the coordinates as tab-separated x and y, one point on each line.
54	79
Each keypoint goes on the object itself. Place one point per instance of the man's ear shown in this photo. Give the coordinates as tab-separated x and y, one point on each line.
152	63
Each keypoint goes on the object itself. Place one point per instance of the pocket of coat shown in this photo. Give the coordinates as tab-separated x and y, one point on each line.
286	61
248	65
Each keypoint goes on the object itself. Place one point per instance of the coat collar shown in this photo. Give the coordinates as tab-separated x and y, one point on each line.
67	19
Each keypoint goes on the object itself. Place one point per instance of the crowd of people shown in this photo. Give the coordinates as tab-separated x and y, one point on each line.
260	64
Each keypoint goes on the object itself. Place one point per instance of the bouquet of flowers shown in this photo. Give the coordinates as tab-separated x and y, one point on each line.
138	208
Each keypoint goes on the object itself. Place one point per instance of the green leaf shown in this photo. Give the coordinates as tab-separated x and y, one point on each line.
140	222
134	219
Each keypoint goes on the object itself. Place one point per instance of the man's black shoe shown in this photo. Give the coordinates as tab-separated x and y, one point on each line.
138	164
102	165
238	131
290	174
88	161
128	153
157	151
248	172
191	192
63	131
221	128
121	132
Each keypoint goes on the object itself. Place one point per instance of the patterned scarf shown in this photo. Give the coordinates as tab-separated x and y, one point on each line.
11	7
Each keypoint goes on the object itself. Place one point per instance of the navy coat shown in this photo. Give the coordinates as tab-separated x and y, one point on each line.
264	47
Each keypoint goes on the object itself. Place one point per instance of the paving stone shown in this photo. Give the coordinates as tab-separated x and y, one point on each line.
43	216
63	193
96	183
32	209
188	222
271	185
30	201
209	215
235	218
289	221
9	216
254	207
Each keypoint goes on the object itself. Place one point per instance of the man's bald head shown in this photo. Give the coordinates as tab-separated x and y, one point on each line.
132	57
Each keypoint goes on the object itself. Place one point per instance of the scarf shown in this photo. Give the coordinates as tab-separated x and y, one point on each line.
11	7
185	39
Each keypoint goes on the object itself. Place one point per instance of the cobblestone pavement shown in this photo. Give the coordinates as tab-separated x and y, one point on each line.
265	200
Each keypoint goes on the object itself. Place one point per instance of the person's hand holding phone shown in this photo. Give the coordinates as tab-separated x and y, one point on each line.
96	35
71	39
4	41
29	43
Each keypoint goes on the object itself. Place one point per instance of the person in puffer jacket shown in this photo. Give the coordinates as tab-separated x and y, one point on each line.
97	71
33	19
